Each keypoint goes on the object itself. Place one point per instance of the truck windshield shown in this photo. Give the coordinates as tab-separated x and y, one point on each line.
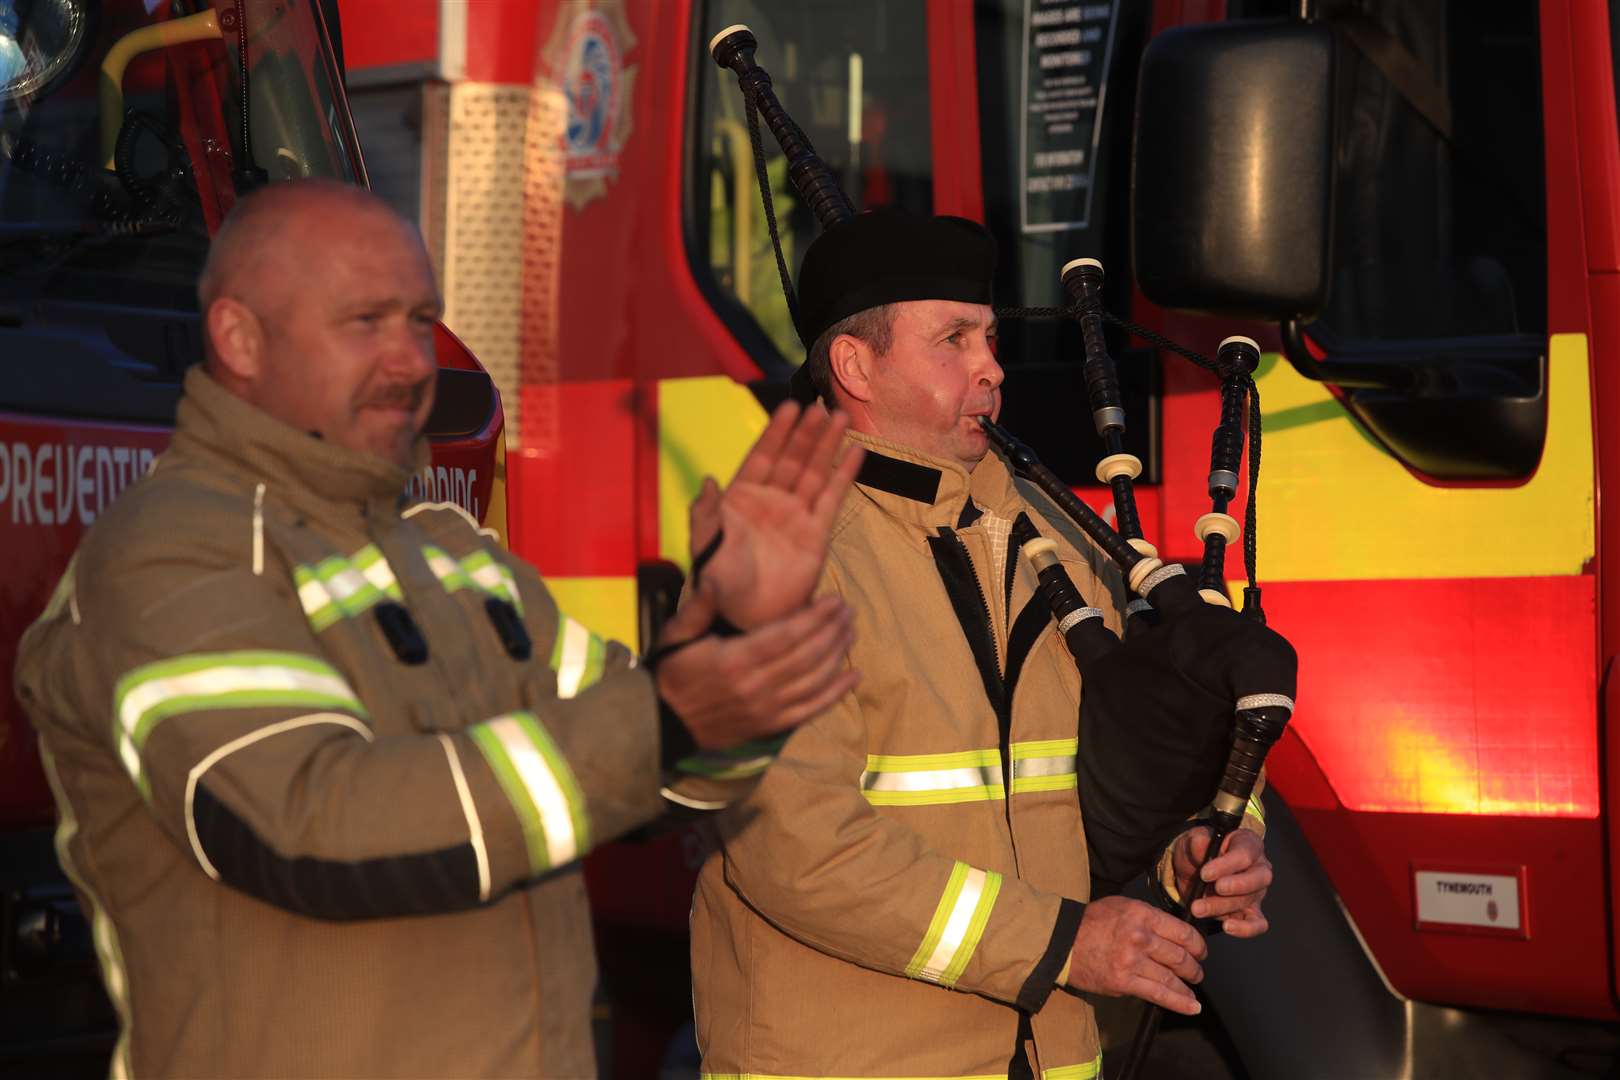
123	142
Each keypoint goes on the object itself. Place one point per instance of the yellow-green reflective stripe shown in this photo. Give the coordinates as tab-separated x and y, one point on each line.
337	588
1256	808
487	574
539	785
371	564
977	921
251	679
446	569
987	793
958	923
778	1076
737	763
103	935
1038	748
926	779
1089	1071
578	657
1044	765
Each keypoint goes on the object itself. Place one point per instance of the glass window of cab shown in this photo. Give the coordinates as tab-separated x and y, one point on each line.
121	137
854	75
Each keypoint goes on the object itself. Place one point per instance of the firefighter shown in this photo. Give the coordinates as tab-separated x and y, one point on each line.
887	859
326	763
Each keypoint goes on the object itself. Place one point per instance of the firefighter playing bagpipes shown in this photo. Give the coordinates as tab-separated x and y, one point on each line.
905	892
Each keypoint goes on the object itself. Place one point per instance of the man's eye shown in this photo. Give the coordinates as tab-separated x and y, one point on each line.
955	337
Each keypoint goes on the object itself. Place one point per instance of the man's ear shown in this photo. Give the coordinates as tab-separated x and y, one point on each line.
236	338
850	360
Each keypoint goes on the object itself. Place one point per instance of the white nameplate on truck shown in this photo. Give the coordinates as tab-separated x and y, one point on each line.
1470	901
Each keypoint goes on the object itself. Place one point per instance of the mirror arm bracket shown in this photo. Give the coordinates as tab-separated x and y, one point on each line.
1347	375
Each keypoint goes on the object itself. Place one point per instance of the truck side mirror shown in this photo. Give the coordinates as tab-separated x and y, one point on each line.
1232	174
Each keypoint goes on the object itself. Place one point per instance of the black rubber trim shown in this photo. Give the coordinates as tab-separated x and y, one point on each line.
919	483
675	742
1043	980
1019	1067
962	587
429	883
1027	627
970	514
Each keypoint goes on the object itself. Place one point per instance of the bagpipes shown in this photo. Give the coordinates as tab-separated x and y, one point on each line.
1196	694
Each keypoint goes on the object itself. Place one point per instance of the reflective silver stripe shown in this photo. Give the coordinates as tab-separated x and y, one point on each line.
469	810
1076	616
336	587
313	596
534	769
346	584
103	935
958	923
1043	766
375	569
934	780
1160	576
573	653
1265	701
203	684
922	779
489	578
445	569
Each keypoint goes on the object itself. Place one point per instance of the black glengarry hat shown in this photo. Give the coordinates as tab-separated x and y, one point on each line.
883	257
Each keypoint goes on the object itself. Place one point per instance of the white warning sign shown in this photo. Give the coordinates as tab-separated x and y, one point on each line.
1488	901
1067	47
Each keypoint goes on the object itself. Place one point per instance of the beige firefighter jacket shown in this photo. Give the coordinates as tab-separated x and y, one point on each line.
303	854
898	896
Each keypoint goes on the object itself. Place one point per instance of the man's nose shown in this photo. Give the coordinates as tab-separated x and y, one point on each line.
987	369
410	353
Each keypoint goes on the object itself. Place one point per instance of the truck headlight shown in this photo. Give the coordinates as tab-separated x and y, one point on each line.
40	41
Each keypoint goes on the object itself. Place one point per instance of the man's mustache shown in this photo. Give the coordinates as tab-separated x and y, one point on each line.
396	396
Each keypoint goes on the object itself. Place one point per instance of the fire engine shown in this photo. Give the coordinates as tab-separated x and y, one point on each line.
124	140
1415	207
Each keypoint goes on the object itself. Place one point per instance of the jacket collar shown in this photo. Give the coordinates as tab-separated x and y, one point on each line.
933	492
299	468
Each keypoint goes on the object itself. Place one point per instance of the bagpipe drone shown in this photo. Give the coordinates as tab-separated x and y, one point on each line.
1178	716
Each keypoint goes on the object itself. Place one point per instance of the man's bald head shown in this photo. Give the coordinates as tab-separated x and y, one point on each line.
271	231
319	307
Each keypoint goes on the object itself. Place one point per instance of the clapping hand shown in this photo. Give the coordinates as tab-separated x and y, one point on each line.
776	516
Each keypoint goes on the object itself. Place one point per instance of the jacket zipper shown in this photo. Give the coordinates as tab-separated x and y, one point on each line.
984	609
1003	704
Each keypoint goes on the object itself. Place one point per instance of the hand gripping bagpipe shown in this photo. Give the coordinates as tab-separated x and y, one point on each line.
1196	694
